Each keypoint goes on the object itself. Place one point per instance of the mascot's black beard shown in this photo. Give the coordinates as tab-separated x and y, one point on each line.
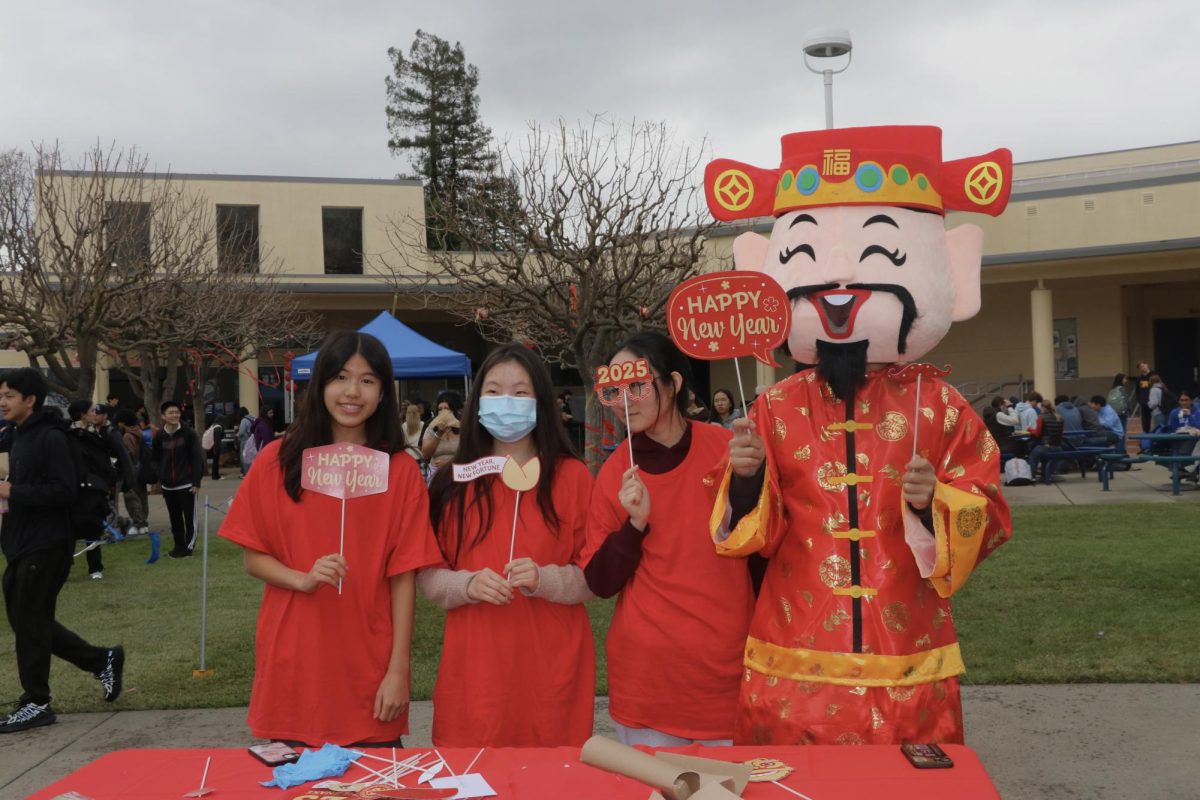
843	366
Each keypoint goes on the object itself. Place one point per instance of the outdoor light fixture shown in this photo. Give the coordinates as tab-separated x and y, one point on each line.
828	43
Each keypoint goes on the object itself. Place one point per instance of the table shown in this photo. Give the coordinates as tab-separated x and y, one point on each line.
821	772
1174	462
1162	437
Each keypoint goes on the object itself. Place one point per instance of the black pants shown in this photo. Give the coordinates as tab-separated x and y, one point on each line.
88	525
216	457
181	506
95	561
31	587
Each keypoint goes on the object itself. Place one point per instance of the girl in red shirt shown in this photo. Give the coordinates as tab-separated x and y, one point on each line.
677	636
518	664
333	667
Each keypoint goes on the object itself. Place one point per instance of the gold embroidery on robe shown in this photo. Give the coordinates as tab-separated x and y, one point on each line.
895	617
893	427
835	572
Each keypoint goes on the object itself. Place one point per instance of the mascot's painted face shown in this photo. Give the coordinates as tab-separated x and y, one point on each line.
888	275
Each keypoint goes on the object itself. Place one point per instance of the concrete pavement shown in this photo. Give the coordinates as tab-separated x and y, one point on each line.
1144	483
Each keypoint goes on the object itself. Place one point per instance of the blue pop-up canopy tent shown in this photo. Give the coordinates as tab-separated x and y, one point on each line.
413	356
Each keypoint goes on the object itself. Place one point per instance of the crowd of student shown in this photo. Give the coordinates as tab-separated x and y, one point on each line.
1032	429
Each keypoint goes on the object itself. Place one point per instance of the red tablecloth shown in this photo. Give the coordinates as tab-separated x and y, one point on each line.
823	773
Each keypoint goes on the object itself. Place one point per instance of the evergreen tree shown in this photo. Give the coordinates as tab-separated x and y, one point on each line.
433	118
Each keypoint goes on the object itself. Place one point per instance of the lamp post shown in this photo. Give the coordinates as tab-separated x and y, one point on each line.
828	43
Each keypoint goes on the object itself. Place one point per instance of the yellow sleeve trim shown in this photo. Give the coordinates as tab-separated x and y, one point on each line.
853	669
750	534
959	520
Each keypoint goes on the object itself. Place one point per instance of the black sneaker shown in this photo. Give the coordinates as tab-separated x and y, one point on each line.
110	676
30	715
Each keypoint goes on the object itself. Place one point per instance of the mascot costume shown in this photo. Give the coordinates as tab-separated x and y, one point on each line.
870	484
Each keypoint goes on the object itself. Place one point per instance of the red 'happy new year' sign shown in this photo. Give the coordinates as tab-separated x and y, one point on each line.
729	314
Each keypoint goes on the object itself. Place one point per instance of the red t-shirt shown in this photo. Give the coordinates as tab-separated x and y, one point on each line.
523	674
319	657
677	636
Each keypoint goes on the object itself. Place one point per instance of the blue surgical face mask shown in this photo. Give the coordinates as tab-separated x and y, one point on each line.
507	418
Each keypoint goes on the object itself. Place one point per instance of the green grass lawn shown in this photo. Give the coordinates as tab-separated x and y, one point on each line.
1097	594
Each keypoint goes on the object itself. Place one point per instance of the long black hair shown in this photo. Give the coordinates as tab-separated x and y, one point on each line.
313	426
732	404
448	505
664	358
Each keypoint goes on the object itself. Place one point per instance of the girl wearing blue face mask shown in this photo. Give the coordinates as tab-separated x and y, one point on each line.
518	665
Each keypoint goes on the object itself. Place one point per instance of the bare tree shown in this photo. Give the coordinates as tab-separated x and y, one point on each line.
201	322
599	223
79	241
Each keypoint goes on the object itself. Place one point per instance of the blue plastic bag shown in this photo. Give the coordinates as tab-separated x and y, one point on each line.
328	762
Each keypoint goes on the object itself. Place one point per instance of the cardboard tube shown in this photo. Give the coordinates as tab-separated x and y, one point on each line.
731	775
616	757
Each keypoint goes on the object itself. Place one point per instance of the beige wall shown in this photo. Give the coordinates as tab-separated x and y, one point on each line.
1115	217
997	343
12	358
290	214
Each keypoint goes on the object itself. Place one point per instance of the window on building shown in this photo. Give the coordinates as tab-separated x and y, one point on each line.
127	232
342	229
237	238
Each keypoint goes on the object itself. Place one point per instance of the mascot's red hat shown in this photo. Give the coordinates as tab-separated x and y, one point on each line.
895	165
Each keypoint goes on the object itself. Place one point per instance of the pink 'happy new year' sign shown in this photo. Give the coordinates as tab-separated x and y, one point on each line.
345	471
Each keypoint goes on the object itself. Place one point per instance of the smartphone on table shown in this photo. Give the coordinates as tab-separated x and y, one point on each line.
274	753
926	756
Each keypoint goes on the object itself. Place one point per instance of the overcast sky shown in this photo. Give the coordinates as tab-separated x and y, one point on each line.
297	87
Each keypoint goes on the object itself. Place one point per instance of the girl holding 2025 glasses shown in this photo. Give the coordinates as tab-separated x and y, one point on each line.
676	640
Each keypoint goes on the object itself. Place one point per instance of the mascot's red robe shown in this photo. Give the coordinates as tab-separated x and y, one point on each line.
849	644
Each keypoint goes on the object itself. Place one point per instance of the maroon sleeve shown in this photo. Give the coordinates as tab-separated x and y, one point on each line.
614	563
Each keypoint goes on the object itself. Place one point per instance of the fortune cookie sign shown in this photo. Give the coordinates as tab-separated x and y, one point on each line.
729	314
345	471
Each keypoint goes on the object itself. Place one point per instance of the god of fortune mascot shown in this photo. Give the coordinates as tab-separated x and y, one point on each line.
852	639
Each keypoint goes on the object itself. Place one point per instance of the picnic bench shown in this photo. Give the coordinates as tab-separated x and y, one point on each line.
1081	454
1173	462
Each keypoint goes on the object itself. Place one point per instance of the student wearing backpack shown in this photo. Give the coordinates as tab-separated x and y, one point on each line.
137	503
1161	401
41	488
179	461
126	475
96	484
